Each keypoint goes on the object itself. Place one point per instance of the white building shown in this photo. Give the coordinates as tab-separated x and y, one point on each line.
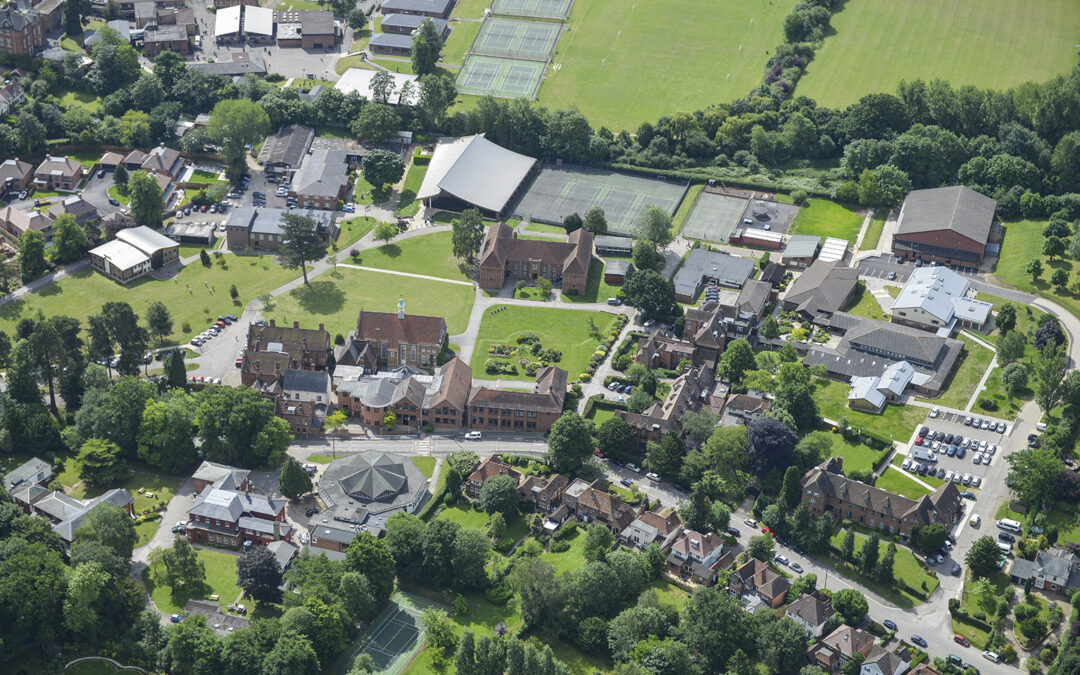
939	300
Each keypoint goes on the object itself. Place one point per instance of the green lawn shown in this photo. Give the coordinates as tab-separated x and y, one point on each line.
199	176
83	293
462	35
542	227
335	301
365	193
429	254
469	9
425	464
306	84
824	218
465	516
685	207
220	580
298	5
897	421
601	415
413	179
1027	317
897	482
115	193
396	66
873	234
711	51
1008	406
865	304
570	560
162	487
966	374
996	44
857	456
596	290
348	62
563	329
349	231
87	158
188	250
1023	243
83	99
906	568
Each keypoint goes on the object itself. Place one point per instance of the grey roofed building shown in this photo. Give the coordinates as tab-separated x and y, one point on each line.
287	148
391	41
703	264
937	298
431	6
378	482
31	472
145	239
811	613
753	297
801	246
607	244
476	171
322	174
957	208
773	274
1053	567
617	267
316	381
640	534
190	232
259	220
254	64
822	290
883	661
121	26
229	505
220	475
283	551
166	33
317	22
407	23
71	512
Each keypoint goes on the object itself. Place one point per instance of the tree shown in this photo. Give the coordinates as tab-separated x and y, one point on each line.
166	434
381	167
1035	269
471	551
238	427
930	538
738	358
851	605
868	554
182	565
772	445
32	255
69	240
639	401
569	443
204	258
496	525
645	256
73	18
234	125
193	647
110	526
616	438
666	456
782	645
301	243
654	225
1049	332
598	541
437	93
1011	345
847	546
1049	371
791	492
650	292
159	320
884	571
761	547
1005	319
542	595
83	602
293	480
259	574
376	122
389	421
33	585
101	464
983	557
384	232
120	174
357	19
371	557
146	199
1060	279
715	626
291	654
427	47
439	630
175	372
1015	378
595	221
1033	473
695	513
1053	247
467	235
499	495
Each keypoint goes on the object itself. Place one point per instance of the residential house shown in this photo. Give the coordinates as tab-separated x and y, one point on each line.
949	225
939	300
840	646
305	400
755	578
22	31
251	227
161	160
657	351
710	268
1052	570
284	552
321	180
689	391
822	290
532	412
229	517
827	490
301	348
810	612
284	152
488	468
545	494
395	339
504	256
415	398
741	408
589	503
76	206
15	175
24	480
697	556
652	527
58	173
11	95
15	222
212	474
882	661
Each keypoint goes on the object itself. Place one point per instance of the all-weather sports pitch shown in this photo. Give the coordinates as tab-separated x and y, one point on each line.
714	217
557	192
503	78
540	9
517	39
394	638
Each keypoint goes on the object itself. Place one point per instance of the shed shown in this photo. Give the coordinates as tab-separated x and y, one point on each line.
607	244
615	271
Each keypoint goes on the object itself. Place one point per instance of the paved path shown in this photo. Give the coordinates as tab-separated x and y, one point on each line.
38	284
406	274
865	226
982	384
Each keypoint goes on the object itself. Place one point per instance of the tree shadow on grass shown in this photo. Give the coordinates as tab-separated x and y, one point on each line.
319	297
390	250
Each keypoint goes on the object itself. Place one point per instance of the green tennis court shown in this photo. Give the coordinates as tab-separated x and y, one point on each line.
541	9
714	217
395	636
517	39
504	78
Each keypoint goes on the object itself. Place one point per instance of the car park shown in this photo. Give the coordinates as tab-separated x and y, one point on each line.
976	481
906	465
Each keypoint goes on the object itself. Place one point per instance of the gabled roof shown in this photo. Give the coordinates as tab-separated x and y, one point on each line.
812	610
314	381
391	41
957	208
288	146
823	287
230	505
322	174
15	169
801	246
221	475
411	22
475	170
62	166
846	641
753	296
32	471
387	327
730	269
433	6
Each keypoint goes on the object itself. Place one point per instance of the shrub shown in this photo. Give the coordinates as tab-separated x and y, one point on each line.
988	403
498	594
186	327
559	546
566	530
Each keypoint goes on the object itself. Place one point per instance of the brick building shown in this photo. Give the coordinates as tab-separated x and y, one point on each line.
488	468
505	256
758	579
390	340
229	517
58	173
321	180
172	38
416	399
534	412
22	31
16	175
589	503
436	9
250	227
950	225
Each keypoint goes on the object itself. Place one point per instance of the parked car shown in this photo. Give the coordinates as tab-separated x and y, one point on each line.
472	435
918	639
626	482
780	558
889	623
113	201
924	431
615	302
1005	536
310	512
732	531
955	570
653	477
633	467
796	567
934	412
991	656
176	618
752	523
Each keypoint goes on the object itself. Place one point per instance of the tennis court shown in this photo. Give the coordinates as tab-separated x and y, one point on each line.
394	637
504	78
556	192
517	39
714	217
541	9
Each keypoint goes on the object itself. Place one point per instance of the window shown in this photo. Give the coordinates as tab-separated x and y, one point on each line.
318	398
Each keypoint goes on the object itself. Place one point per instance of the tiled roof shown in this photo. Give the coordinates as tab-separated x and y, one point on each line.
548	395
823	287
491	467
812	610
412	329
572	255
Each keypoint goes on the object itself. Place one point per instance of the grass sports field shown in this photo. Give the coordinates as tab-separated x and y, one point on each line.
505	78
994	44
622	63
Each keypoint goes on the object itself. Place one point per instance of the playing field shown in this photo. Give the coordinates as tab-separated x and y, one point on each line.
394	637
714	217
541	9
623	62
991	43
513	38
505	78
557	192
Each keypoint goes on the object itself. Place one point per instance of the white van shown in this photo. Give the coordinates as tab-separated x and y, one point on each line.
1005	547
923	455
1010	525
975	520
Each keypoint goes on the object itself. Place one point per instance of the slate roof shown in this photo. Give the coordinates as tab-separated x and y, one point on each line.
801	246
268	221
936	291
73	520
317	22
734	270
433	6
753	296
548	393
288	146
823	288
15	169
230	505
391	41
762	578
322	174
411	22
475	170
377	482
314	381
62	166
957	208
885	660
846	641
221	475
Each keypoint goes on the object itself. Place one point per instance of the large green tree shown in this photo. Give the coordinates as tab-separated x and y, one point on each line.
651	293
983	557
467	235
293	480
1033	474
851	605
499	495
234	125
427	47
69	240
238	427
146	199
654	225
381	167
301	243
1049	371
167	432
371	557
31	255
616	438
101	464
376	122
259	574
569	443
738	358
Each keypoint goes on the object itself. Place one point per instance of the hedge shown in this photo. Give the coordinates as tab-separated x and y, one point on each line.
703	174
598	402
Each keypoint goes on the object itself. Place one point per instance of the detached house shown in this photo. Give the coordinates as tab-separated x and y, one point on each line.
883	661
58	173
837	649
221	476
811	613
230	517
546	494
652	528
488	468
698	556
15	175
589	503
757	579
1054	569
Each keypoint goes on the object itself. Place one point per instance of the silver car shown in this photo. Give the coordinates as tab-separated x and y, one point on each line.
986	460
985	424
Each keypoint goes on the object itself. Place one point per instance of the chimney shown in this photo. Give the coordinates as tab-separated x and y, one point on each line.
322	327
277	529
295	324
273	322
515	235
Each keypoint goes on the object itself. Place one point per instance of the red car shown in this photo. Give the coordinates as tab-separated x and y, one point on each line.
596	451
204	208
961	640
767	531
